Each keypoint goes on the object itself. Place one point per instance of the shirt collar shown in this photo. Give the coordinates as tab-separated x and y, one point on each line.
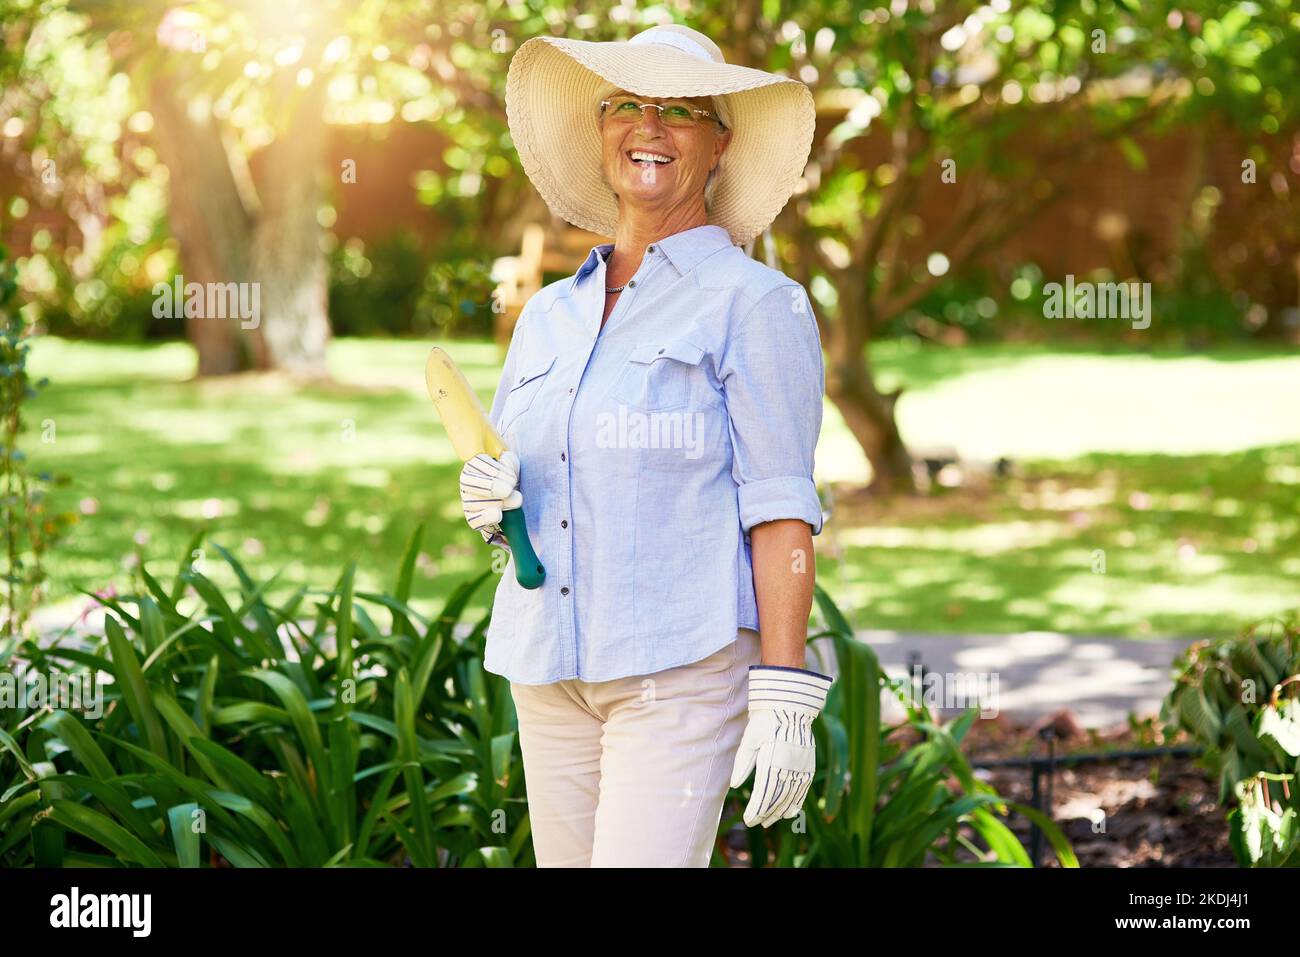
594	258
685	250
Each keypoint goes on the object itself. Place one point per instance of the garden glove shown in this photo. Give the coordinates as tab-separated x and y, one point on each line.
778	740
488	487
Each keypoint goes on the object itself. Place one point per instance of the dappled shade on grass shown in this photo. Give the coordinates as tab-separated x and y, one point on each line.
307	478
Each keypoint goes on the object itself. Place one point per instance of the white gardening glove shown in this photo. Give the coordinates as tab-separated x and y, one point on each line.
778	740
487	487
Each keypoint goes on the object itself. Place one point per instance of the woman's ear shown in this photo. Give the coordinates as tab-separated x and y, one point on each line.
720	144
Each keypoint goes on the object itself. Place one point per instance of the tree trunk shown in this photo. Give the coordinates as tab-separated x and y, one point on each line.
207	217
867	411
272	238
288	260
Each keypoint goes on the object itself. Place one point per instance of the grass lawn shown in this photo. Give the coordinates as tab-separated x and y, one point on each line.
1156	493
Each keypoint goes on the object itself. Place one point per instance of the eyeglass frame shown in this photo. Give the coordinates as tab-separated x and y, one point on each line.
660	107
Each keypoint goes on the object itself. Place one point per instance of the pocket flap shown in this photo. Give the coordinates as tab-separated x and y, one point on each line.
534	368
678	349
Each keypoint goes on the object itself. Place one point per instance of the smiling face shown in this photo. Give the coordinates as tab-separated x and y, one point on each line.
651	166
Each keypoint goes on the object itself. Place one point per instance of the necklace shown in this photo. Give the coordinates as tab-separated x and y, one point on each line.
619	289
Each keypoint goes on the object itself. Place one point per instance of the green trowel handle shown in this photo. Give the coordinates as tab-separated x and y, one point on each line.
528	568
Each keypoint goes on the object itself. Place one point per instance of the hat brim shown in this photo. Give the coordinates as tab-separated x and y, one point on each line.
551	109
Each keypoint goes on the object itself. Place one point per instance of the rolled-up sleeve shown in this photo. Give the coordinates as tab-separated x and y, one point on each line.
773	378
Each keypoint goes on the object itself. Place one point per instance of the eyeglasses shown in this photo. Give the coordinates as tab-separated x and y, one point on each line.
627	109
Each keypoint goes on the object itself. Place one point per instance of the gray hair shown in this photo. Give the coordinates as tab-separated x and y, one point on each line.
721	109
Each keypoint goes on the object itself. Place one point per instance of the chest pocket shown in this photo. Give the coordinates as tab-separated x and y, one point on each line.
524	389
659	376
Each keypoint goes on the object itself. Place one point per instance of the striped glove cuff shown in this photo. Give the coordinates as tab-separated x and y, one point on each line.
782	688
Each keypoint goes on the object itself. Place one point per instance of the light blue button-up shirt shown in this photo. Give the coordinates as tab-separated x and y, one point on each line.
648	450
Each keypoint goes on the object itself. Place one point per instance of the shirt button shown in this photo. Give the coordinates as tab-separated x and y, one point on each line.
570	392
564	523
631	282
564	590
650	249
661	352
561	456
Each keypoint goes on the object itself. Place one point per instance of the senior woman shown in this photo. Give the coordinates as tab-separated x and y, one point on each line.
661	405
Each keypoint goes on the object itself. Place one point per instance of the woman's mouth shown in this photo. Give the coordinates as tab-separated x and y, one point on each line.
648	158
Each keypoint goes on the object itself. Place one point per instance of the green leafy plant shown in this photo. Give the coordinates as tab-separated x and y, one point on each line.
892	796
238	733
31	527
456	298
342	728
1239	698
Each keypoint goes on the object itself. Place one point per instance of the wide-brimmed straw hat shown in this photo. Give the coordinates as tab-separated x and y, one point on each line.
552	109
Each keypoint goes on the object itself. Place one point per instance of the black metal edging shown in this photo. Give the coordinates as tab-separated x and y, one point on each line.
1047	765
1099	757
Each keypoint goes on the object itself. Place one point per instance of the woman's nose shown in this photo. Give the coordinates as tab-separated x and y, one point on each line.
650	117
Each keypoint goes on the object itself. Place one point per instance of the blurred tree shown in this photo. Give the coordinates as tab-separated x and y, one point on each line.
968	93
237	97
75	153
237	93
965	95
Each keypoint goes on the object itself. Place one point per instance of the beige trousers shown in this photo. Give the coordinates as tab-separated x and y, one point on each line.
634	772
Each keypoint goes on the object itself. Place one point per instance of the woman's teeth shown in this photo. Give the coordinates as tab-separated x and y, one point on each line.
640	156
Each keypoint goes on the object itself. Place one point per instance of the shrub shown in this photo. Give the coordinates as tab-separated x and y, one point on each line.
234	735
31	528
242	733
392	288
1238	698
